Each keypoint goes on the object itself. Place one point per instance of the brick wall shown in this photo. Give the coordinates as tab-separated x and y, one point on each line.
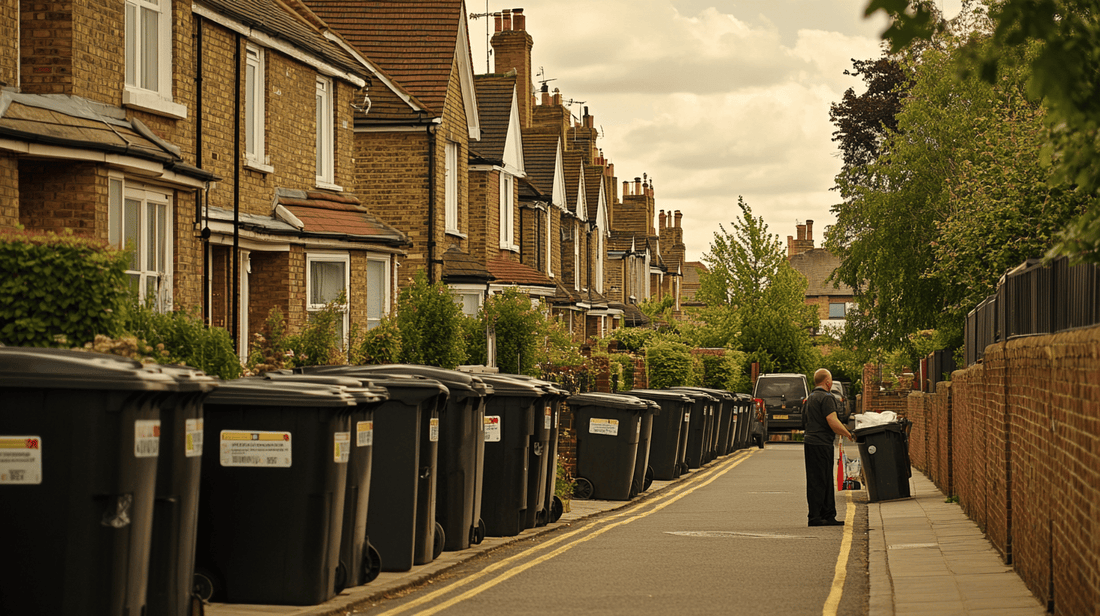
1020	452
556	243
482	183
9	191
9	43
941	414
56	195
46	35
918	434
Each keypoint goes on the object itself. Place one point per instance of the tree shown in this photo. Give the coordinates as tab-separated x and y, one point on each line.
750	276
431	325
1065	74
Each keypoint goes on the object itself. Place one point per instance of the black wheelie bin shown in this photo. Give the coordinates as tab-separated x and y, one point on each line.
271	501
509	426
401	517
461	453
607	428
359	560
79	446
701	409
884	453
643	472
176	508
665	453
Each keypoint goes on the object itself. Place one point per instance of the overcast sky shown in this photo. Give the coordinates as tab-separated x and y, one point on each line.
711	98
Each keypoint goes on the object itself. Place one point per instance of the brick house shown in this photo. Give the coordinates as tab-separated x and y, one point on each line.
412	160
833	301
674	253
97	135
693	271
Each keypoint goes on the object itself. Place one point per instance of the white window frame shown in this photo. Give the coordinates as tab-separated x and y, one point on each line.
336	257
242	309
507	212
324	143
450	187
576	256
255	120
373	322
123	194
549	241
144	89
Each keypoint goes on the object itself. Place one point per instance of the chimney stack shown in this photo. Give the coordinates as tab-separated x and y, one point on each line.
801	232
556	99
661	220
496	22
810	230
512	51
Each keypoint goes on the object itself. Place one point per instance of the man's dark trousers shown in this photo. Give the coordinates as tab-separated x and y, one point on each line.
820	496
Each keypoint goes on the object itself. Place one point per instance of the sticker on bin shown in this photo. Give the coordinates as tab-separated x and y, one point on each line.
492	428
548	419
20	460
255	449
192	444
146	438
687	416
342	447
639	435
610	427
364	433
433	434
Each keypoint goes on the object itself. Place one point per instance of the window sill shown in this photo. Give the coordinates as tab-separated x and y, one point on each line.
456	233
257	166
509	247
327	186
152	102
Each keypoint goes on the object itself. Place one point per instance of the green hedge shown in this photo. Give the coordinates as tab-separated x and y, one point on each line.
432	325
59	290
669	364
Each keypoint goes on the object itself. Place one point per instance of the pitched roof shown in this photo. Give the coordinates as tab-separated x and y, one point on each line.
540	153
336	214
461	267
494	107
528	192
593	182
512	272
415	41
572	161
75	122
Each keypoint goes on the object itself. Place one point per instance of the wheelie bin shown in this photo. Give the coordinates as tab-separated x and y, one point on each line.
607	427
401	518
745	420
79	445
701	409
359	560
271	500
176	508
461	453
643	472
884	453
509	426
665	451
723	413
554	505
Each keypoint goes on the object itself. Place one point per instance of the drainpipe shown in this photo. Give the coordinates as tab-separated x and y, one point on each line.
431	203
236	191
205	233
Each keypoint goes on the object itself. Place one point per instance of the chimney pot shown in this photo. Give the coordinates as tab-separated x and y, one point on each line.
637	186
519	20
810	230
545	95
661	220
801	232
677	215
496	22
626	188
507	19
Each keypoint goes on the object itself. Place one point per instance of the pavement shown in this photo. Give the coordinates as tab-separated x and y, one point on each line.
925	558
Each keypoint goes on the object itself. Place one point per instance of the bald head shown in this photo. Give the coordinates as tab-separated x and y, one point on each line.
821	377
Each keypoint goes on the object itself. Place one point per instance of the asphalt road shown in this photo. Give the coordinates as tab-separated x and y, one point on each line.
732	539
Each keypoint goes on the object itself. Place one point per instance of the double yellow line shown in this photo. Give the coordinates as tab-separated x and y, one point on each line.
658	503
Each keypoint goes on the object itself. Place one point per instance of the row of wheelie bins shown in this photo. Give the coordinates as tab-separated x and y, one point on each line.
625	441
117	508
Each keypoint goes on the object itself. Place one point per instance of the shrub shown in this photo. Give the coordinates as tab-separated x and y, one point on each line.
180	337
381	345
722	371
431	324
319	343
633	339
517	324
59	290
669	364
624	366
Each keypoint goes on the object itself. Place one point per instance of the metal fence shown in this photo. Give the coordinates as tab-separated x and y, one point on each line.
1034	299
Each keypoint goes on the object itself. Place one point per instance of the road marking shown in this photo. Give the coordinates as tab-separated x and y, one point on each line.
730	533
833	601
661	500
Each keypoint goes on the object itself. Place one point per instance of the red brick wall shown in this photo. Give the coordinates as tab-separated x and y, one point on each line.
1023	459
918	434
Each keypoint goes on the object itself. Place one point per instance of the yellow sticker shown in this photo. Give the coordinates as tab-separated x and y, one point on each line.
20	460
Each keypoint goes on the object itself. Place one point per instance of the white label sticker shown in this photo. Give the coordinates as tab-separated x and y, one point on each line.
364	433
610	427
433	434
146	438
20	460
548	419
192	443
639	435
257	449
492	428
341	447
687	416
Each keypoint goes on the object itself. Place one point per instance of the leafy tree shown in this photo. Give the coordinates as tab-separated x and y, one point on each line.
431	325
750	275
517	324
1065	74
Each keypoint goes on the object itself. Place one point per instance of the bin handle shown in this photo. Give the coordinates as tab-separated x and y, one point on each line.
425	472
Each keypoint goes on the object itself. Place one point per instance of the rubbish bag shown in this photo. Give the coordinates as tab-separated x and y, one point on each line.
866	420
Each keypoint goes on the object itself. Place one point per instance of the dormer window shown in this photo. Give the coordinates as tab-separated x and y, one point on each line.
149	57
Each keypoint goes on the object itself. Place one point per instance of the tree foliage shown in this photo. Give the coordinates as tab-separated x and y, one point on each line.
431	324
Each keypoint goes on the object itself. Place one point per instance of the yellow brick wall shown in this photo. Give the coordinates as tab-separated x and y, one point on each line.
9	191
9	43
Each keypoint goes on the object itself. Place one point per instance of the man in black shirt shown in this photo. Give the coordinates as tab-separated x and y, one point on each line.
821	426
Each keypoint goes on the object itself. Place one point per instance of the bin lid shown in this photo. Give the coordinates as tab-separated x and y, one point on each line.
507	385
461	385
406	388
365	392
720	394
660	395
892	426
189	379
551	387
696	393
258	391
615	401
69	369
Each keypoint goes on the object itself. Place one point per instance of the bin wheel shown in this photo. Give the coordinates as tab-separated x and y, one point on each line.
206	585
340	580
648	478
372	564
582	489
439	540
478	532
556	509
